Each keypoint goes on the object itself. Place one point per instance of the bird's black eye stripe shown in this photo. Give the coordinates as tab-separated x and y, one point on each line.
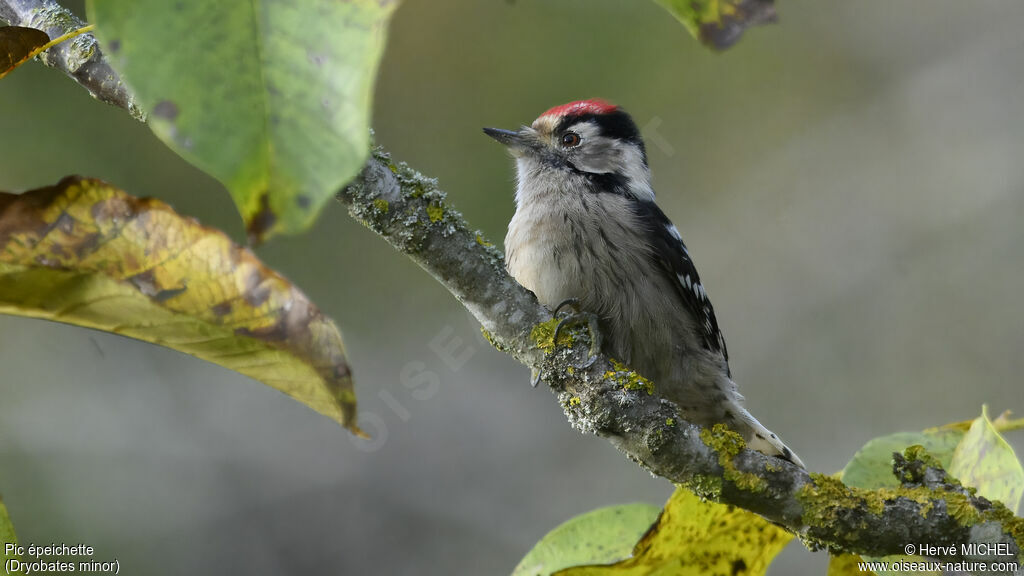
616	125
570	139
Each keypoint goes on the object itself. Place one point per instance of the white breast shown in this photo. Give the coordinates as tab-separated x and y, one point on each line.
540	258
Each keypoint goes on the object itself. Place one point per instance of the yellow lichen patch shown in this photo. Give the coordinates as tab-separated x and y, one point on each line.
628	379
961	508
483	241
727	443
491	340
435	212
417	191
708	487
381	205
85	253
826	496
574	401
923	496
918	453
542	335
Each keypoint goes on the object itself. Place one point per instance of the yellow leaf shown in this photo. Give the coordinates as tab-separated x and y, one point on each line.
847	565
699	538
984	460
85	253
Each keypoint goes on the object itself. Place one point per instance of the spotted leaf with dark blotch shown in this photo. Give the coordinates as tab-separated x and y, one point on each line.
695	537
272	98
85	253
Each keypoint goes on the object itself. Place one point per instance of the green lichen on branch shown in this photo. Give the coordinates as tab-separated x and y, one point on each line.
628	379
707	487
435	211
543	336
917	466
825	498
410	214
728	444
828	505
492	340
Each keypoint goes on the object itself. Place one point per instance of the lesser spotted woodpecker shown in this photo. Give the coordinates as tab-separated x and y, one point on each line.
587	228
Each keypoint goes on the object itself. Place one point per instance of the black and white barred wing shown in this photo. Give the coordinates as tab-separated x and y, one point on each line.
673	259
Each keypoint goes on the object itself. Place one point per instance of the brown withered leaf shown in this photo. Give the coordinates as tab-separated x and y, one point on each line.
85	253
17	45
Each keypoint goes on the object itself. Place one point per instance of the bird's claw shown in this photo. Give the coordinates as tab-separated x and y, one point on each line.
576	315
580	316
573	303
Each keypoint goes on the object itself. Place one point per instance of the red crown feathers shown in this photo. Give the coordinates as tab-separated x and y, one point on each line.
581	107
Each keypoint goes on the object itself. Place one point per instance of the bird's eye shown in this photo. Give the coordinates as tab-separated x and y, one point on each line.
570	139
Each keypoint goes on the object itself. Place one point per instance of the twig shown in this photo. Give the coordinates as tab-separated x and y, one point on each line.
81	58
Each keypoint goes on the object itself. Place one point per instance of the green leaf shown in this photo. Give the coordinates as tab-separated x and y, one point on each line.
719	24
7	535
871	469
871	466
600	536
694	537
272	98
985	461
85	253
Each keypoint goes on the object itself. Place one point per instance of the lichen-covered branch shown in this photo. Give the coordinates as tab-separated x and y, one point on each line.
609	400
79	58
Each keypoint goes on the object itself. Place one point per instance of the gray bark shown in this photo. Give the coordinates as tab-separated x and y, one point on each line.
80	58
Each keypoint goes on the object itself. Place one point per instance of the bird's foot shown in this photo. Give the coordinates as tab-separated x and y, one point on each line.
576	316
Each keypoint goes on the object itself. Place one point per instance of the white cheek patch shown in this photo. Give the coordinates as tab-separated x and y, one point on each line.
601	155
635	169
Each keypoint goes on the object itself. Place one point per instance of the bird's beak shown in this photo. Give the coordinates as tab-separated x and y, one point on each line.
516	141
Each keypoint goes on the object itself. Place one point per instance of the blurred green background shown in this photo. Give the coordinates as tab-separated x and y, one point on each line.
850	182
